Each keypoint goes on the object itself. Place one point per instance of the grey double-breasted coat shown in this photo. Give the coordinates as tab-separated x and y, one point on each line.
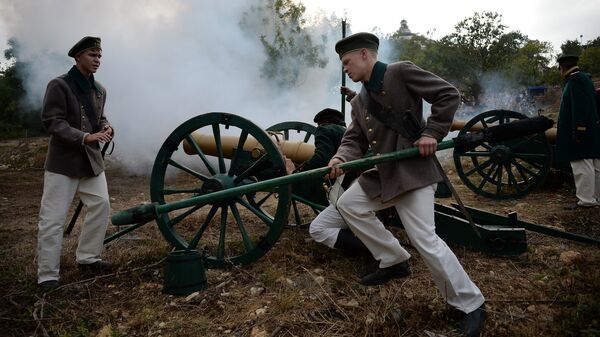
67	123
399	89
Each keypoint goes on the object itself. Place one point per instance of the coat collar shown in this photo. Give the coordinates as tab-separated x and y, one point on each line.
375	83
85	84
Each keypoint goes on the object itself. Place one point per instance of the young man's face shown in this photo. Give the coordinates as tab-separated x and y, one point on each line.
89	60
355	65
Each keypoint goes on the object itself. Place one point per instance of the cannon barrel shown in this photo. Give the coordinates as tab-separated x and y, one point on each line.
466	141
297	151
460	124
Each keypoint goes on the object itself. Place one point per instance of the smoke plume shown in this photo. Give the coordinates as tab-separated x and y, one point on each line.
165	62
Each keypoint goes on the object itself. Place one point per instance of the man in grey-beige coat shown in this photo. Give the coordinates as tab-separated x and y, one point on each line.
387	116
73	115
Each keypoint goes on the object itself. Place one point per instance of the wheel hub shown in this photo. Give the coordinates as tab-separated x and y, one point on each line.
217	183
501	154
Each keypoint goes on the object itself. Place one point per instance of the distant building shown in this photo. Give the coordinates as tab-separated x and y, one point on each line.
404	32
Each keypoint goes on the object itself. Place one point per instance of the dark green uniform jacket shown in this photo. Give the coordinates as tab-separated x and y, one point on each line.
578	130
327	140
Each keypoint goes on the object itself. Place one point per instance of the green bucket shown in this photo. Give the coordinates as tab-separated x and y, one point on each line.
184	272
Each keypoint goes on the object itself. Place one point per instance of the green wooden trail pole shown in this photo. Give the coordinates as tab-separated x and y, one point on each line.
492	134
150	211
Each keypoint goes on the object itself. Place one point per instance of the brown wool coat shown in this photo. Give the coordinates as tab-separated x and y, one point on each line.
404	87
66	122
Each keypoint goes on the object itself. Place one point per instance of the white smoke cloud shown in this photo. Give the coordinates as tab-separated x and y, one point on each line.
163	63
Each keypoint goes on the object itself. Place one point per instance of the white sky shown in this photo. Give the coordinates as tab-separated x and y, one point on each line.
554	21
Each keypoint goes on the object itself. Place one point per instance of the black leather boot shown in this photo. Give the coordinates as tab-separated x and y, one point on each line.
384	275
473	322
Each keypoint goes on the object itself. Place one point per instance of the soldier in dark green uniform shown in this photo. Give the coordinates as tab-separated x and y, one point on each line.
329	133
329	228
578	134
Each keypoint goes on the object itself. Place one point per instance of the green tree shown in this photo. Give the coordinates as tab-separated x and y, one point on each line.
529	65
478	47
589	60
15	117
572	47
289	46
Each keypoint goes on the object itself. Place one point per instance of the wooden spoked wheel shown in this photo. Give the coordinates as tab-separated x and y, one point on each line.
232	231
507	169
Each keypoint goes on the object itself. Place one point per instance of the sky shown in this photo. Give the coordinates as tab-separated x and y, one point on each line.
554	21
165	61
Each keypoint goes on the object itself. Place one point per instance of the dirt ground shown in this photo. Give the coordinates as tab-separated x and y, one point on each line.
300	288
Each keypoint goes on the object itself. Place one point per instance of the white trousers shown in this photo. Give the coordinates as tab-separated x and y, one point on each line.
586	173
59	191
326	226
416	211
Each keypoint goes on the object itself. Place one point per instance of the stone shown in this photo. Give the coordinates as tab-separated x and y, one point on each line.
256	290
192	296
258	332
569	257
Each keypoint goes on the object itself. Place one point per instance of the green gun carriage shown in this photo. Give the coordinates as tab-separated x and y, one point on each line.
219	185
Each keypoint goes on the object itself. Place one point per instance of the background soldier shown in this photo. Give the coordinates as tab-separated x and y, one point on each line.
578	132
73	115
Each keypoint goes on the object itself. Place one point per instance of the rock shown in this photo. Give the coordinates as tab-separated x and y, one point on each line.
348	303
258	332
432	334
260	311
285	280
492	274
222	284
106	331
397	316
521	205
317	270
319	280
256	290
370	319
192	296
569	257
531	308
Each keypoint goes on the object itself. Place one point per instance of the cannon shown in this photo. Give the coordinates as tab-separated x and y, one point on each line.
507	169
234	203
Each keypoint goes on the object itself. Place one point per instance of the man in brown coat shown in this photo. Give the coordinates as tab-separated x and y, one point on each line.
387	116
73	115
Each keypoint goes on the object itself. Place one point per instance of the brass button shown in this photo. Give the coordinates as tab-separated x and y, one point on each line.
374	142
378	154
382	93
367	118
370	130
